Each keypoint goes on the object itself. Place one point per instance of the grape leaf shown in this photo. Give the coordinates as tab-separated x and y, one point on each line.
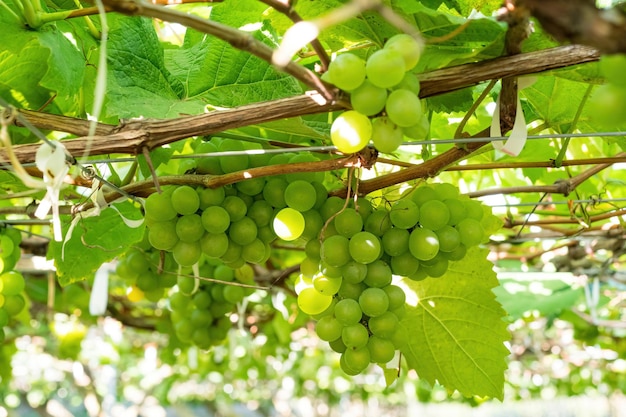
547	296
95	240
456	332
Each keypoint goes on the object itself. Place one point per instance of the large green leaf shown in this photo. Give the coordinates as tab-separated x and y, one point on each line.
456	329
95	240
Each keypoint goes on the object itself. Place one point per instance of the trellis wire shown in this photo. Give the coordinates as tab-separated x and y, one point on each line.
564	202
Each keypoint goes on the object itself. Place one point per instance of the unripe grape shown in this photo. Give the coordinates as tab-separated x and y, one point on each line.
159	207
374	302
403	108
434	214
312	302
326	285
423	244
378	274
471	232
351	131
255	252
347	71
243	232
364	247
357	359
214	245
189	228
348	222
236	207
300	195
288	224
354	272
397	297
404	213
215	219
274	192
233	163
185	200
162	235
234	294
348	312
386	135
381	350
187	253
335	251
404	264
211	197
328	328
355	336
368	99
385	68
395	241
406	45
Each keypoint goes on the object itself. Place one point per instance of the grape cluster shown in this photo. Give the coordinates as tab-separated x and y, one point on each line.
346	279
11	282
384	96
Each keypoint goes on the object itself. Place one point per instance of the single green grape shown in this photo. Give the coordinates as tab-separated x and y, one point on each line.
189	228
326	285
404	214
185	200
397	297
274	192
404	108
348	222
348	312
300	195
162	235
351	131
470	231
374	302
381	349
354	272
214	245
368	99
423	244
312	302
211	197
335	250
237	161
357	359
355	336
386	135
234	294
404	264
378	222
328	328
12	283
365	247
215	219
288	224
347	71
255	252
187	253
243	232
449	238
385	68
395	241
159	207
434	214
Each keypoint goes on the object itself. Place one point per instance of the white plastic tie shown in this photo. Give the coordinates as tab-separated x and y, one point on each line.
519	134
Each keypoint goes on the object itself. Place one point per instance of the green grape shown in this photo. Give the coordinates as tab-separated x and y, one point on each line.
180	301
409	82
236	162
187	253
255	252
445	191
608	105
423	194
373	302
261	212
348	312
313	224
309	267
184	330
350	290
404	108
457	210
395	241
185	200
354	272
300	195
357	359
274	192
348	222
404	214
347	71
162	235
337	345
233	253
327	312
148	281
457	254
381	350
385	68
345	368
397	297
6	246
423	244
405	264
313	248
351	131
378	222
312	302
189	228
208	164
436	267
386	135
288	224
378	274
328	328
335	250
137	261
355	336
243	232
330	271
251	186
303	175
220	308
449	238
201	317
224	273
418	131
471	232
215	219
234	294
214	245
326	285
201	300
364	207
4	320
236	207
211	197
474	209
409	47
384	325
217	294
321	194
266	234
14	304
159	207
365	247
434	214
368	99
331	206
12	283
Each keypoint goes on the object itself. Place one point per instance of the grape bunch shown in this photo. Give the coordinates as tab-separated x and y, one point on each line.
346	280
12	283
384	96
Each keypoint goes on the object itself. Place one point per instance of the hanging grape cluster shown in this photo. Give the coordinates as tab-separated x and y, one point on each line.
11	282
346	281
384	96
